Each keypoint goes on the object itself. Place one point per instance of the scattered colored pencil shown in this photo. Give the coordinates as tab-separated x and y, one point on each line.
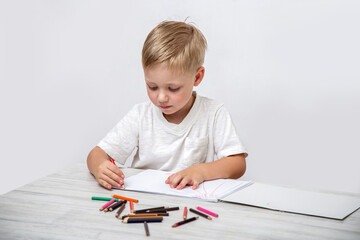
116	205
131	207
107	204
120	210
200	214
141	220
125	198
148	209
146	229
103	199
185	213
185	221
207	211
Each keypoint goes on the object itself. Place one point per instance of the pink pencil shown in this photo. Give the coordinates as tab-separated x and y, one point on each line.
107	204
207	211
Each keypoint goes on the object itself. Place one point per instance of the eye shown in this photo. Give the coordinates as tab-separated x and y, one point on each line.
174	89
152	88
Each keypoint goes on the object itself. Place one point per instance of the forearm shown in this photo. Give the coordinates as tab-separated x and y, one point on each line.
227	167
95	158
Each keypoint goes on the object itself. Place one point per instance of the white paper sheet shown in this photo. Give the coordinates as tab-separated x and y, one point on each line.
153	181
330	205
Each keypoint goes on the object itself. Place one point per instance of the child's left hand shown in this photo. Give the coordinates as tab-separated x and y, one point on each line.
191	176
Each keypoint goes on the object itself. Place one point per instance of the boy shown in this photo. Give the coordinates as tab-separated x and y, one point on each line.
178	131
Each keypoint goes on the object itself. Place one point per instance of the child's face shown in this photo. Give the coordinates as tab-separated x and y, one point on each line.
171	91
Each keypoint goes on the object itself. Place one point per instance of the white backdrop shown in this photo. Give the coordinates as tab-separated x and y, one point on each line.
288	71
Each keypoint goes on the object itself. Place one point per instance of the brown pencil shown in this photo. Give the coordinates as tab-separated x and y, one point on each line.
200	214
146	229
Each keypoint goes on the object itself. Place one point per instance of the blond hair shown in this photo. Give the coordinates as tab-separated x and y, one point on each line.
179	45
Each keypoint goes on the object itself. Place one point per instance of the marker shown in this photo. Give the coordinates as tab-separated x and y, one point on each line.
112	160
125	198
207	211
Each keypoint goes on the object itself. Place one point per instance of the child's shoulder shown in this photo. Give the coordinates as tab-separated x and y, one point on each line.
210	104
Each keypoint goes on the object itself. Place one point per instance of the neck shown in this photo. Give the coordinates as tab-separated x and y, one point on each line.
179	116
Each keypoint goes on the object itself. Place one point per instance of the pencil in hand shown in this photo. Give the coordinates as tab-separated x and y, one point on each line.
112	160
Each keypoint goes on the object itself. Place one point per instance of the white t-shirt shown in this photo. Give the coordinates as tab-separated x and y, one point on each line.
206	134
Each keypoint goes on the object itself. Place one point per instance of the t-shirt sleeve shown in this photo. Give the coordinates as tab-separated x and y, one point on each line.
226	140
122	139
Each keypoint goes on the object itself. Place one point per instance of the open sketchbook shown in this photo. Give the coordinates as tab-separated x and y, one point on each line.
153	181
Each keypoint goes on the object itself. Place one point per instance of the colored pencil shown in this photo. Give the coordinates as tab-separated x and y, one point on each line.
125	198
200	214
185	213
103	199
131	207
145	215
107	204
116	205
207	211
149	209
185	221
146	229
120	210
112	160
141	220
171	209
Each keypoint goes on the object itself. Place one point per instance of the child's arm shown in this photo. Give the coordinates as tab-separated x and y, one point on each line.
226	167
106	173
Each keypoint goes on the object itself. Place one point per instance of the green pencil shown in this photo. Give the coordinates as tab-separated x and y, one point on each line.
103	199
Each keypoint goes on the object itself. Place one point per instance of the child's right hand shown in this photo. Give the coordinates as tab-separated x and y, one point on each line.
108	174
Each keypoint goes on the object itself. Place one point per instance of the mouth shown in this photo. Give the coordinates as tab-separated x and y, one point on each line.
165	107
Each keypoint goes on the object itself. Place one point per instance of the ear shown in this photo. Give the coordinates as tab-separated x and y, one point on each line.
199	76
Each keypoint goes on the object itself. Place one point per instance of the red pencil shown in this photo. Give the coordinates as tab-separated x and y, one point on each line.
131	206
185	213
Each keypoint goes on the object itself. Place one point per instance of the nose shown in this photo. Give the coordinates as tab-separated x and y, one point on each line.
163	97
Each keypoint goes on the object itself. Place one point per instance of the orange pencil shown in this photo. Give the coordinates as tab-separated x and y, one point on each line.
125	198
185	213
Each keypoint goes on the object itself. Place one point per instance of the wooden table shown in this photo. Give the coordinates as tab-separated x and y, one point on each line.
59	206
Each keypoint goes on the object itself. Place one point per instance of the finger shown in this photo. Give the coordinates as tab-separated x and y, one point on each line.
175	180
195	185
112	175
185	181
109	180
104	184
168	180
116	170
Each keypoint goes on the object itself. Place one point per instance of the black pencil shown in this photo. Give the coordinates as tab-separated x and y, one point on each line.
200	214
149	209
116	205
172	209
141	220
146	229
185	221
